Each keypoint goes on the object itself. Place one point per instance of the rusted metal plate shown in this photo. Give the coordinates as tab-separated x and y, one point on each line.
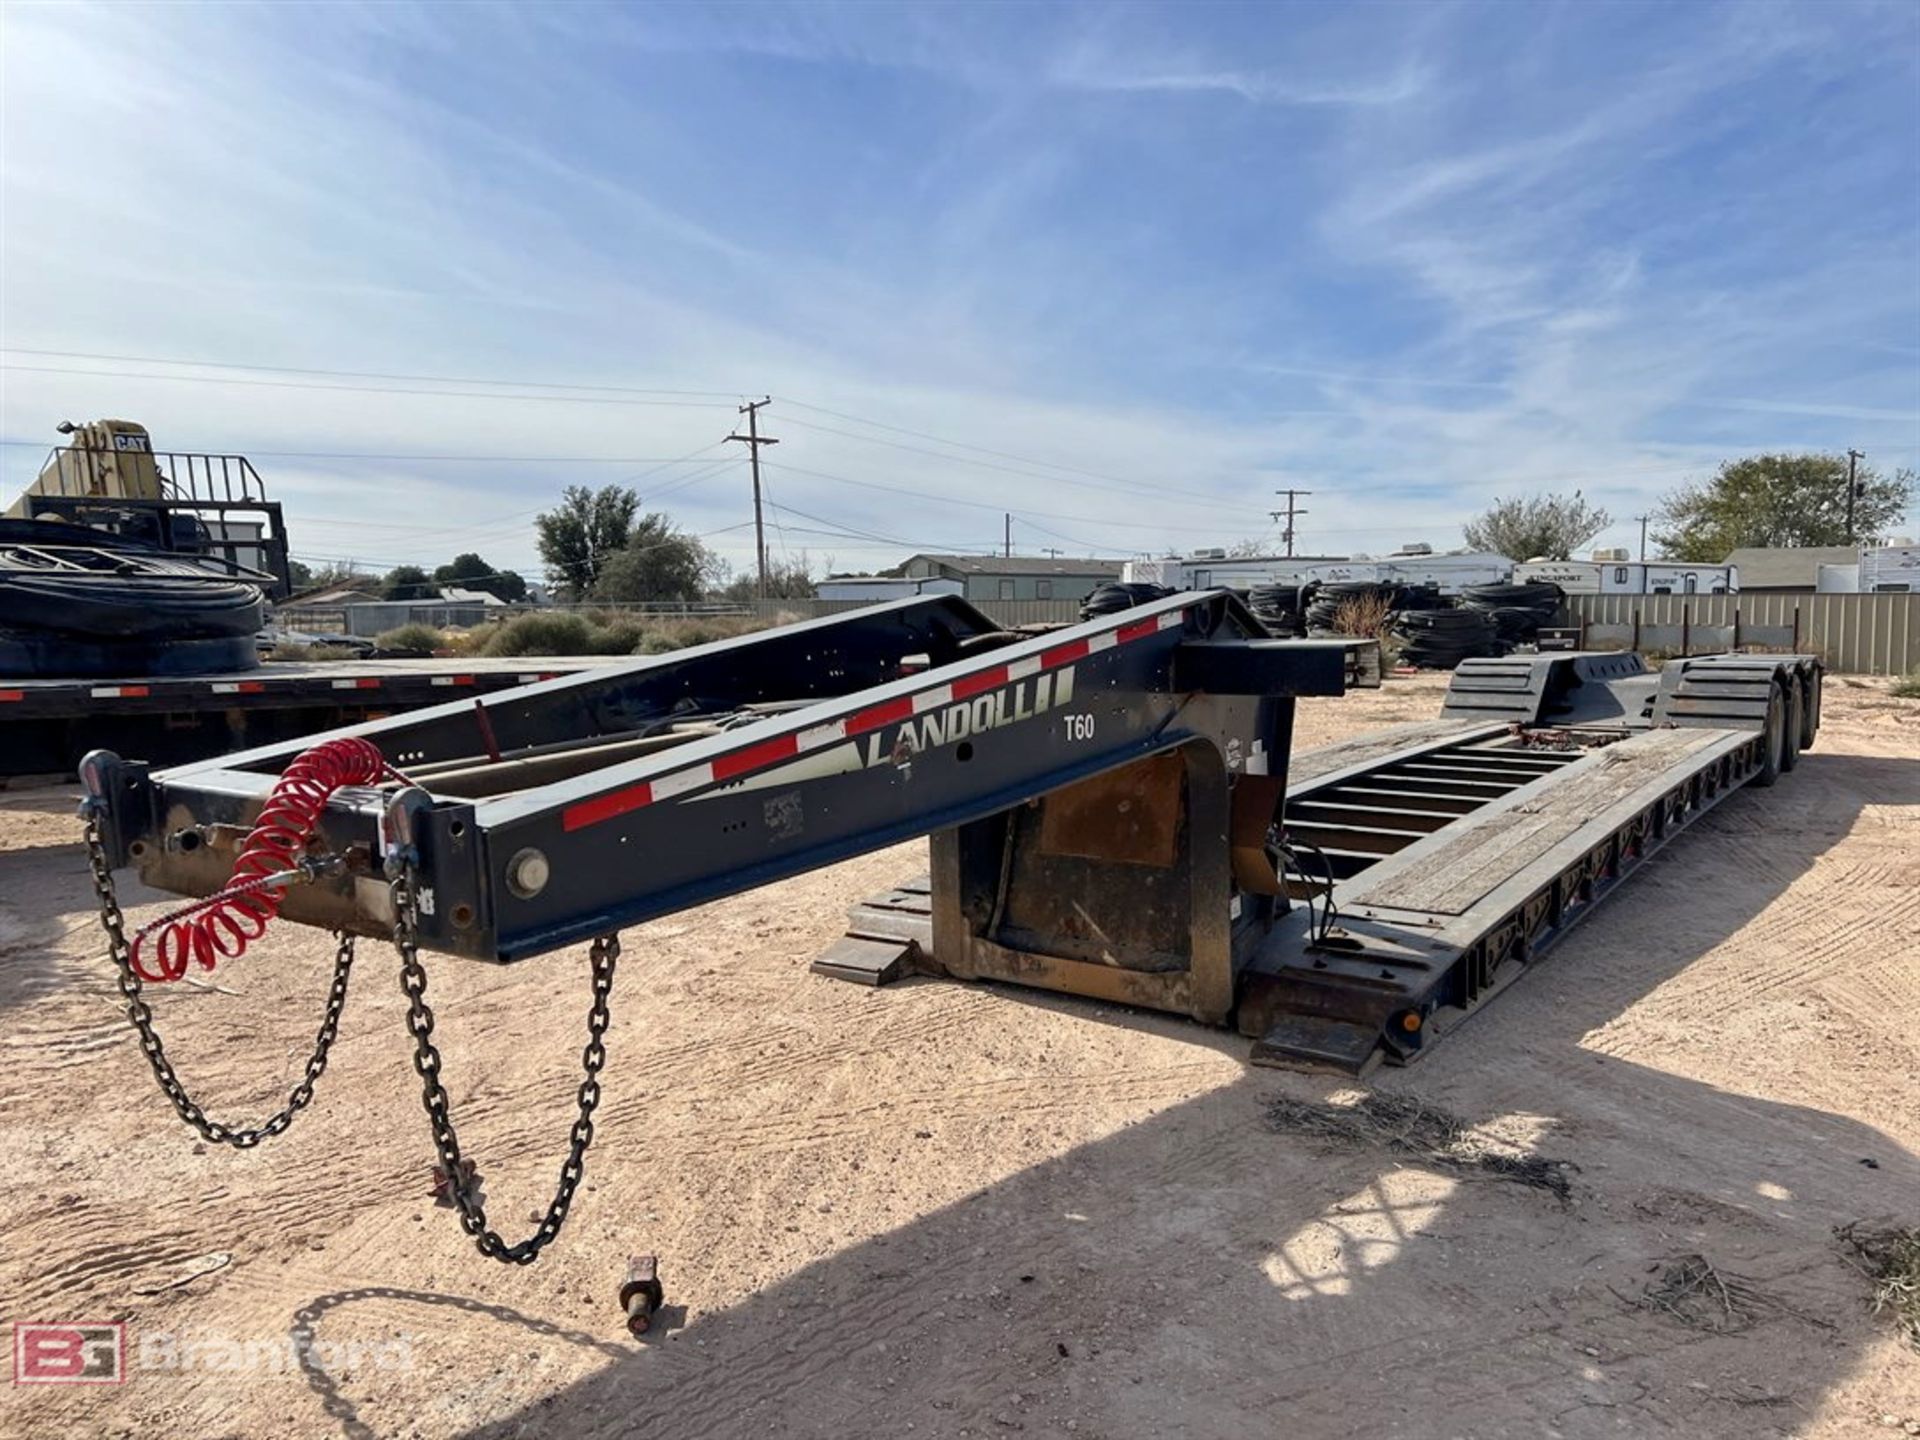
1130	815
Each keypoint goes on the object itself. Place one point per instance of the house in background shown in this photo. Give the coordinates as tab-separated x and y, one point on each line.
1015	577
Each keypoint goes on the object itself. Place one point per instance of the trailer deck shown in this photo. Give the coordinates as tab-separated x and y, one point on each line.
1440	907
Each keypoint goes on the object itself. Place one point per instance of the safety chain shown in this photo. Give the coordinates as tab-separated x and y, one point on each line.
114	923
461	1182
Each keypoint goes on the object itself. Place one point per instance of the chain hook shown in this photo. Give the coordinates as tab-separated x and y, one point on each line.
462	1183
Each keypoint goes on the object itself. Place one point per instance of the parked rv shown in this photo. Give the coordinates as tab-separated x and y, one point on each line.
1890	570
1620	576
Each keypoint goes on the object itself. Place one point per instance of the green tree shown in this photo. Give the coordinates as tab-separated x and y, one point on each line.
300	574
1778	500
470	572
1536	527
578	536
658	563
407	582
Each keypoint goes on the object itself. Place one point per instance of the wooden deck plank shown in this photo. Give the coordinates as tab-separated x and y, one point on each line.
1464	864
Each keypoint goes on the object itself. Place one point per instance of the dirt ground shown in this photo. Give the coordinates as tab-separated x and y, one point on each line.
951	1210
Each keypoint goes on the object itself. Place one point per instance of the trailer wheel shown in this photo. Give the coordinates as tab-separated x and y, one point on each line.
1809	707
1771	739
1796	725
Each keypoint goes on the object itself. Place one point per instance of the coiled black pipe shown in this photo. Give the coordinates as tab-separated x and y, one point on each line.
1441	639
1118	595
1517	611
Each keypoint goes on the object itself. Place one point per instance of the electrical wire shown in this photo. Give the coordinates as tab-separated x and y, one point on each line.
365	389
360	374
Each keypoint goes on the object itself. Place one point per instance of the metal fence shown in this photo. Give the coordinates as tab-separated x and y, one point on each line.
1855	634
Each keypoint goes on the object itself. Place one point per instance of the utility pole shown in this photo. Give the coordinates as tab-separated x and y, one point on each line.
1854	457
1291	511
1009	539
1643	536
753	440
1051	553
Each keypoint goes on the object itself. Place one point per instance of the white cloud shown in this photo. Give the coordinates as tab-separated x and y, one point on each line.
323	207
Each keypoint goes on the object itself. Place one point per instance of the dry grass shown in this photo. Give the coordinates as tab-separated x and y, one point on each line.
1692	1290
412	637
1908	688
1889	1257
603	632
1405	1126
1364	615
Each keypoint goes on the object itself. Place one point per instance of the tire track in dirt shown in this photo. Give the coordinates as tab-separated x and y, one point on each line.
895	1308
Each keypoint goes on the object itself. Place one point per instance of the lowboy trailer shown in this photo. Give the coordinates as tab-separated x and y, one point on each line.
1114	806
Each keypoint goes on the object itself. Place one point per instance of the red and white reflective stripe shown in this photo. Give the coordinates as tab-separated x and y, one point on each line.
238	687
12	695
888	712
360	682
453	679
119	692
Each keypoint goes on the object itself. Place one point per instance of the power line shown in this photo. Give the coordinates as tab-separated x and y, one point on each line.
944	440
483	527
841	528
568	565
987	505
364	389
1123	487
459	459
362	374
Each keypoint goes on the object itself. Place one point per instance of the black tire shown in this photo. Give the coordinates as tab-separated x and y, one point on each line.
1796	725
1809	708
1769	770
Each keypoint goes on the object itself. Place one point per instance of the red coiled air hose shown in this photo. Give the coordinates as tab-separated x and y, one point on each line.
229	920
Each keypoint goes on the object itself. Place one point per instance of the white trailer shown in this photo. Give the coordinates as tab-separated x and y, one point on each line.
1627	577
1212	569
1890	570
1451	572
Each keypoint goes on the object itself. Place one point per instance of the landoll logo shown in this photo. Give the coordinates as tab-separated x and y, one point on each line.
48	1354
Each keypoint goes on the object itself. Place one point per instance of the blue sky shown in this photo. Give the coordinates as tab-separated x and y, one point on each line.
1162	261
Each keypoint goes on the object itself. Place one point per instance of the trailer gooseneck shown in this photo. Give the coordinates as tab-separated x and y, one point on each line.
1114	807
